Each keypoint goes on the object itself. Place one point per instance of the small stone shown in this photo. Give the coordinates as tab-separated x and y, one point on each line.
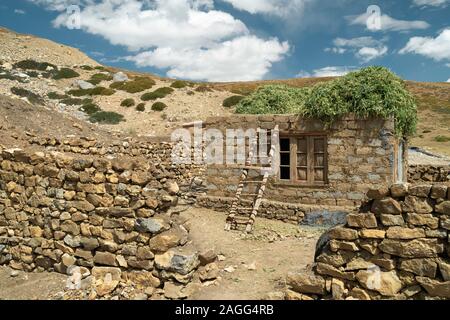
306	283
420	267
386	206
340	233
392	220
386	283
362	220
372	234
434	287
105	258
229	269
207	257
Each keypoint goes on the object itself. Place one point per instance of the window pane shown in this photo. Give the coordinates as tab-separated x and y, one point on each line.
302	174
285	159
285	173
302	160
285	145
318	175
319	160
319	145
302	146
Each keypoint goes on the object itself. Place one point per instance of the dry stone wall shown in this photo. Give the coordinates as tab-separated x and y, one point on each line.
428	173
108	216
396	247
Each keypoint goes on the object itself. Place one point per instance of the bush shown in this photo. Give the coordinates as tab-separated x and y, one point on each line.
8	76
127	103
190	93
101	77
442	139
56	96
90	108
65	73
232	101
179	84
203	88
139	84
105	117
140	107
87	68
157	94
372	91
102	68
33	74
94	81
97	91
31	96
75	101
159	106
33	65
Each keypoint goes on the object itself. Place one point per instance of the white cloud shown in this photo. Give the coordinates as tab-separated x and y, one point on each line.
364	48
435	48
335	71
187	37
431	3
388	23
448	80
19	11
281	8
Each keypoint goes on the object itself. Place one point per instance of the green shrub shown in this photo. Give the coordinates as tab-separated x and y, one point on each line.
128	103
33	74
90	108
102	77
140	107
159	106
102	68
8	76
442	139
65	73
31	96
33	65
56	96
139	84
157	94
203	88
242	91
105	117
94	81
87	68
232	101
179	84
372	91
75	101
97	91
190	93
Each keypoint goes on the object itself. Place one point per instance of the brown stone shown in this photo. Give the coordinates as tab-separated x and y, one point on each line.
336	245
386	283
417	205
420	267
359	294
423	220
337	259
372	234
444	268
338	289
166	240
362	220
329	270
434	287
295	296
207	257
422	191
443	207
340	233
439	191
304	283
378	193
392	220
143	279
405	233
418	248
386	206
105	258
399	190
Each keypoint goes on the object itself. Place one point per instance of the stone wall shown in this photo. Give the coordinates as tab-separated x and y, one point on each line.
428	173
361	154
397	247
57	212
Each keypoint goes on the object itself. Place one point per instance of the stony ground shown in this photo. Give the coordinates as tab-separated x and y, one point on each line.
259	261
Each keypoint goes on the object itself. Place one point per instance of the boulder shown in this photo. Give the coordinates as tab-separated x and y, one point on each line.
83	84
167	240
153	225
306	283
120	77
179	262
435	288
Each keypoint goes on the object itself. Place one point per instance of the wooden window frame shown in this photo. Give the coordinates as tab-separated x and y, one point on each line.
293	142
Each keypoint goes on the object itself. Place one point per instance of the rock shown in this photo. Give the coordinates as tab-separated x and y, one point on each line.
305	283
386	283
120	77
420	267
405	233
229	269
399	190
89	243
207	257
412	291
106	279
209	272
417	205
337	289
73	242
328	270
275	295
392	220
418	248
438	191
140	296
422	191
444	267
337	259
341	233
358	264
105	258
343	245
434	287
422	220
166	240
83	84
174	291
295	296
386	206
101	272
68	260
14	273
359	294
143	279
153	225
362	220
443	207
172	187
252	266
372	234
378	193
179	262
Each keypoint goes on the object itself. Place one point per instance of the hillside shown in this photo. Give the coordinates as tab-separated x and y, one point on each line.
55	85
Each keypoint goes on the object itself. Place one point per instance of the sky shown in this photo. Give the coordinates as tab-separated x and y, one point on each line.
242	40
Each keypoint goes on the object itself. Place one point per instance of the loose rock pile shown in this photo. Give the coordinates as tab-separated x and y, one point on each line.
397	247
102	222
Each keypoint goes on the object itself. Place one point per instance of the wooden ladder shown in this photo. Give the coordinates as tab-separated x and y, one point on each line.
240	213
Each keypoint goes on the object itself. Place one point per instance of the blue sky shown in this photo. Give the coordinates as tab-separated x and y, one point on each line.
230	40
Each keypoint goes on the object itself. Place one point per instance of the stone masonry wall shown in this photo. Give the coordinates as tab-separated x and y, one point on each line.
111	216
361	154
397	247
428	173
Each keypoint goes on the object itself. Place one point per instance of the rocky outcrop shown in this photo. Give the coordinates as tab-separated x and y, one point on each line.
399	248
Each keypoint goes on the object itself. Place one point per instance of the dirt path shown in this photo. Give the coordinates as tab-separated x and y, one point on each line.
293	250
